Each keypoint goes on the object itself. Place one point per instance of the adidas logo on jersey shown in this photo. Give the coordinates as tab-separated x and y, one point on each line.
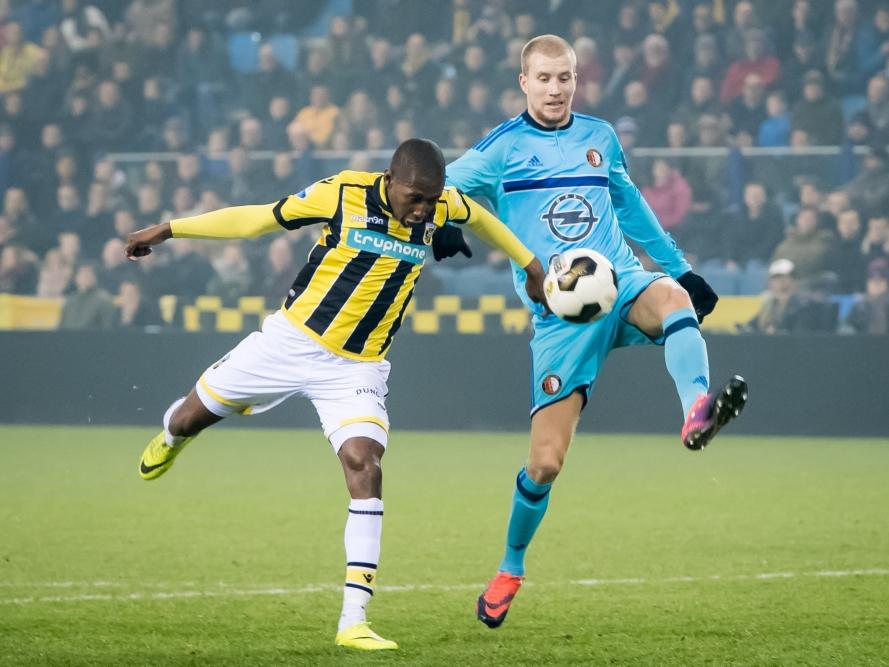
534	162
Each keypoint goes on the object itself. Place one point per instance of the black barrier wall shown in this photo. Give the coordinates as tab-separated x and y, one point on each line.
798	385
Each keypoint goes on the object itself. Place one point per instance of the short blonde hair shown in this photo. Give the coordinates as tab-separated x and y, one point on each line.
551	46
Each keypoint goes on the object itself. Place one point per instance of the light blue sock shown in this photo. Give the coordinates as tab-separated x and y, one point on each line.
528	507
686	355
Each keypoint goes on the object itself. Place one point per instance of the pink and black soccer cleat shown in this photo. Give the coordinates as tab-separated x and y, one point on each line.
493	604
713	411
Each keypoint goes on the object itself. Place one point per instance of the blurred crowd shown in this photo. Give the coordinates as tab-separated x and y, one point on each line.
230	102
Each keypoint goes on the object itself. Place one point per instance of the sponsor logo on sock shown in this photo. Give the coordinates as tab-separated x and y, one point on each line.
368	577
701	380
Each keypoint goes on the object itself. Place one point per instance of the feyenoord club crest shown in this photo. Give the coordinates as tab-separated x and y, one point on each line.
552	384
594	157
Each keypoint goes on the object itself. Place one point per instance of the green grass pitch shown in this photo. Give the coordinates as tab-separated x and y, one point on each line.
760	551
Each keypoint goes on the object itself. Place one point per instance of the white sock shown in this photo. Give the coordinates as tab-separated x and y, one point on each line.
169	438
362	538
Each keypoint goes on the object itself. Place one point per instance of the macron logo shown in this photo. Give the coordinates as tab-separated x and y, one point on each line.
534	162
383	244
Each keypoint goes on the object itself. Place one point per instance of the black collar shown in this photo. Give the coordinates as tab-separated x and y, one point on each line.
534	123
378	192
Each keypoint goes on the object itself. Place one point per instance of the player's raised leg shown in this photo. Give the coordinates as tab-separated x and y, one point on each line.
664	308
552	428
360	457
183	420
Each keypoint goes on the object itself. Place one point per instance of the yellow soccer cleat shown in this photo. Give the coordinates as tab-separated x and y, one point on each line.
360	636
158	457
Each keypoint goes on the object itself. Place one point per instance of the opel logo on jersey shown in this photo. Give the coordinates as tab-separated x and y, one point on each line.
570	217
594	157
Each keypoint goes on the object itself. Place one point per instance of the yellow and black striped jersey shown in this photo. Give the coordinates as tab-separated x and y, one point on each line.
352	294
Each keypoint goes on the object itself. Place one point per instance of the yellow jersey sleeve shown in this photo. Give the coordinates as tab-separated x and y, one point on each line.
234	222
486	226
317	203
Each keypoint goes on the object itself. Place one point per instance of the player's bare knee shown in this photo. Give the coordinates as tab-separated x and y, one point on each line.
361	456
676	298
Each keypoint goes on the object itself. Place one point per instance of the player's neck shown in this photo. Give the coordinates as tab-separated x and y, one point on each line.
547	127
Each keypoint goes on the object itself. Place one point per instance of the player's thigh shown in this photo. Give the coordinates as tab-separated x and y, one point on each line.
552	429
654	303
263	370
350	399
566	357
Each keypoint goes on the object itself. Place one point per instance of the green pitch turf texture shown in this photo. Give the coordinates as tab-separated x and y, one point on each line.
765	551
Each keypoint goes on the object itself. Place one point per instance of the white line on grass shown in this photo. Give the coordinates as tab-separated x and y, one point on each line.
225	591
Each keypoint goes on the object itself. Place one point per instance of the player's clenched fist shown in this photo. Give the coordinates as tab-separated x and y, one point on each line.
139	242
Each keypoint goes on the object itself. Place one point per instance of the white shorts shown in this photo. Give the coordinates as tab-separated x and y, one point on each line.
271	365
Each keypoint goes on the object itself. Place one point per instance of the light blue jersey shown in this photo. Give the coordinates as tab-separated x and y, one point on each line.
565	188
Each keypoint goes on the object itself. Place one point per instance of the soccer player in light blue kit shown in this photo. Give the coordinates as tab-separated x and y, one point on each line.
559	180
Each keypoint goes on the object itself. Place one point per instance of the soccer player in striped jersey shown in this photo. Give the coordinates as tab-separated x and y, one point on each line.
329	340
559	181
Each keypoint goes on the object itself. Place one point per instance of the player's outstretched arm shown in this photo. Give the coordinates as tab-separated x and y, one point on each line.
233	222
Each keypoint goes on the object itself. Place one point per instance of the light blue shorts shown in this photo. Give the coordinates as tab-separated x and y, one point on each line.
566	357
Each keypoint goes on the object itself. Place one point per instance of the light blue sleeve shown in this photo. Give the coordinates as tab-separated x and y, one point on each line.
476	173
636	219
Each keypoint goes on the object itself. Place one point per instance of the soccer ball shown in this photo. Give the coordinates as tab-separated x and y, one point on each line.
580	285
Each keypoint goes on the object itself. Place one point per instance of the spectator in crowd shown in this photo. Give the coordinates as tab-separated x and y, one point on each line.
438	119
589	69
816	114
748	111
188	172
44	92
774	130
805	245
744	19
843	45
706	63
869	190
18	59
274	126
85	29
18	270
785	309
201	75
701	100
148	205
804	58
623	60
110	121
99	218
270	79
135	311
649	119
380	69
186	275
844	257
754	233
231	279
871	315
418	72
669	195
656	70
877	107
89	307
115	268
756	61
55	275
875	41
875	244
273	282
319	117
